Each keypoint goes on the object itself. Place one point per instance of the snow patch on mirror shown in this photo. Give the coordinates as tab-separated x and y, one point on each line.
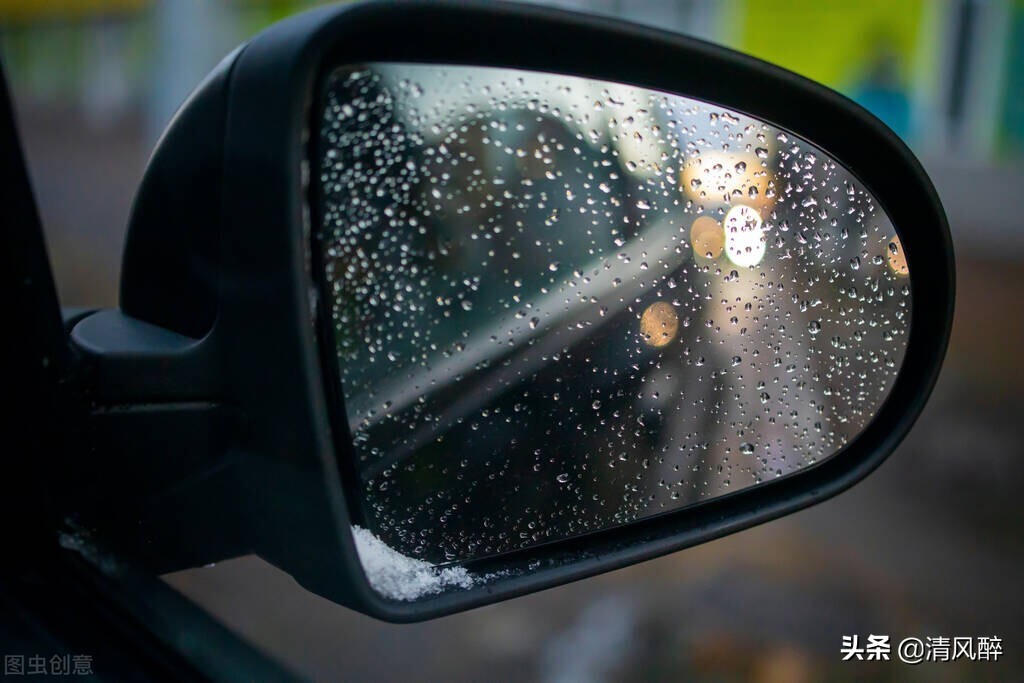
400	577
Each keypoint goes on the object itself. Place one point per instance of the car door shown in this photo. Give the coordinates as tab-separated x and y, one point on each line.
66	606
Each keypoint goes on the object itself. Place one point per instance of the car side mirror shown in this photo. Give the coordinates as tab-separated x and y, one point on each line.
430	319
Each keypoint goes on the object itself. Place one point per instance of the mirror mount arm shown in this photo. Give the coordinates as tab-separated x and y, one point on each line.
136	362
159	442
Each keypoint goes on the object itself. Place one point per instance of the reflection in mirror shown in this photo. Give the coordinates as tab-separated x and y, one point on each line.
561	305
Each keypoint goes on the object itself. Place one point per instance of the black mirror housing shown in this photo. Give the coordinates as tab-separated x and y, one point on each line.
221	348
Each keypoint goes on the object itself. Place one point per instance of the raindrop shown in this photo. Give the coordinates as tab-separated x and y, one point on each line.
675	252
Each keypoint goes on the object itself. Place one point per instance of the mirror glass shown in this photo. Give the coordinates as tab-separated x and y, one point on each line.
561	304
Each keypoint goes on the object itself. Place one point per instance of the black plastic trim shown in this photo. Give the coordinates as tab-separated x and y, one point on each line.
173	231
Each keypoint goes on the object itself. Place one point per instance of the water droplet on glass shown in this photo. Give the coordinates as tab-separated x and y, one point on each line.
675	252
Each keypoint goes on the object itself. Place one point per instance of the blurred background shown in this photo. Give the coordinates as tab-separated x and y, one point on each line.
930	545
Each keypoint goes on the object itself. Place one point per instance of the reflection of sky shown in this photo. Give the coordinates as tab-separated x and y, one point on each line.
646	128
440	96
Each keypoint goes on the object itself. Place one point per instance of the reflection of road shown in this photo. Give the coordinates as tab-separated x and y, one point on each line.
747	444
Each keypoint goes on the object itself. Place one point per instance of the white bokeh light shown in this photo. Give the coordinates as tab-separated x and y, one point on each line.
744	238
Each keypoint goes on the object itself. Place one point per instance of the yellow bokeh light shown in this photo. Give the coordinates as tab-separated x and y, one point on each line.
707	237
897	259
728	177
659	324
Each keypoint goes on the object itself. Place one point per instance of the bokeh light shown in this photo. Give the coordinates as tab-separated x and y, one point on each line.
726	177
744	238
659	324
707	237
897	258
